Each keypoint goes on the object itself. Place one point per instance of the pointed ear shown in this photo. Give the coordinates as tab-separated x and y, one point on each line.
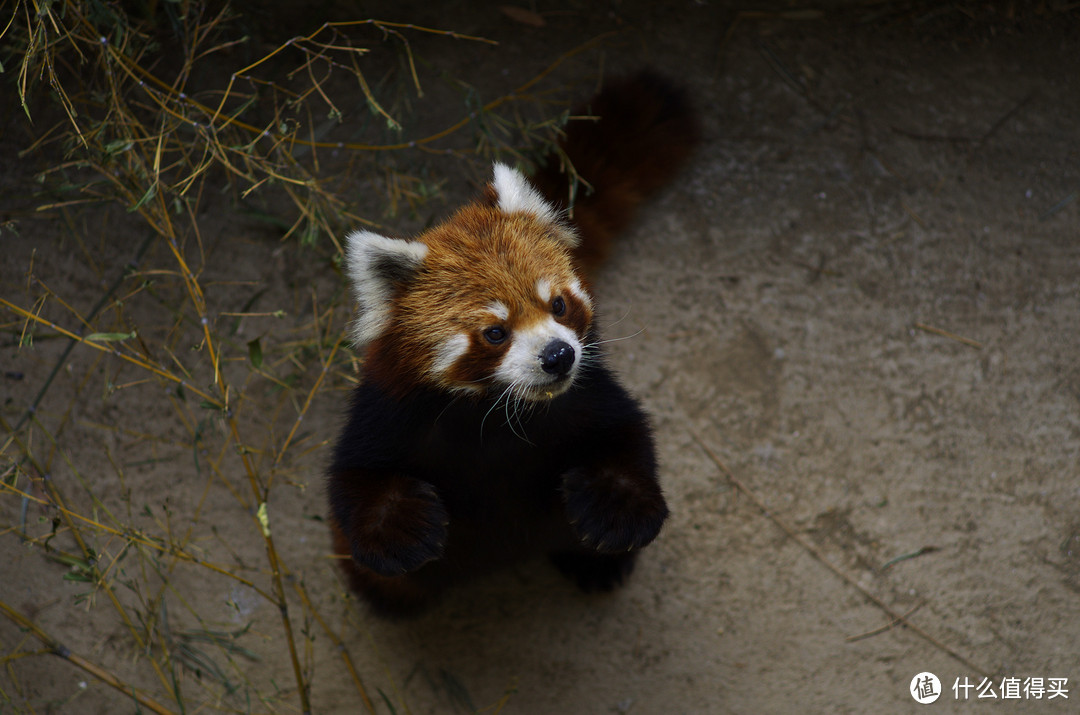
514	193
378	265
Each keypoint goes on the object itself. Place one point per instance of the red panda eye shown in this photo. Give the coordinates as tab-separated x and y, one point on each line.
558	307
495	335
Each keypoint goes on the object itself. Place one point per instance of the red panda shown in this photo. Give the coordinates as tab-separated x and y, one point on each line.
487	428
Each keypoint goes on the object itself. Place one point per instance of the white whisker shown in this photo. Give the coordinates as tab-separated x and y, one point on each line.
614	340
513	411
494	404
448	406
619	320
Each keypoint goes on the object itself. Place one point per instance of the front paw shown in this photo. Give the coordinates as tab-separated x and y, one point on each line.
400	529
611	511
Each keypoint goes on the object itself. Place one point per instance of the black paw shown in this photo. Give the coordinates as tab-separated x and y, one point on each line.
594	572
612	512
400	530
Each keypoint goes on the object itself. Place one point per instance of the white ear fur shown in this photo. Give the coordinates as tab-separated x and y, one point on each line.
516	194
376	264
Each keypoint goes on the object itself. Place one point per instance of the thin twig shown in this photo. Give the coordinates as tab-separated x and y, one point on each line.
1069	198
133	264
105	349
905	557
135	537
888	626
951	336
58	649
1004	118
339	645
820	558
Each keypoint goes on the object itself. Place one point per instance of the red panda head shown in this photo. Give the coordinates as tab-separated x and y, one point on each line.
486	303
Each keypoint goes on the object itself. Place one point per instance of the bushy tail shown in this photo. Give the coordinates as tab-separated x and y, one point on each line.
645	132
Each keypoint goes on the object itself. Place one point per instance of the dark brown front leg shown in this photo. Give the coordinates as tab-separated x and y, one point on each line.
613	510
393	524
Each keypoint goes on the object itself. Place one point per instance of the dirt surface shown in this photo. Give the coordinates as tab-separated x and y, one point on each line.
863	297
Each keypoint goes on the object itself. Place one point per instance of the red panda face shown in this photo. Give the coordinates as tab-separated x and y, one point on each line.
487	303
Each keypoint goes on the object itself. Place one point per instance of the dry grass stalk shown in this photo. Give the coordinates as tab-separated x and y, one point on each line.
147	121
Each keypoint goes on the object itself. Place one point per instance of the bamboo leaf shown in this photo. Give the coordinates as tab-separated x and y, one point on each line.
255	353
150	193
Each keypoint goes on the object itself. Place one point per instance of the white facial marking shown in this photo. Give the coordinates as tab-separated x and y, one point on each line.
499	310
579	292
449	352
517	195
543	289
521	364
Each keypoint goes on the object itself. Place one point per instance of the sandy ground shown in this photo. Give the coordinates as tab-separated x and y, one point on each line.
863	298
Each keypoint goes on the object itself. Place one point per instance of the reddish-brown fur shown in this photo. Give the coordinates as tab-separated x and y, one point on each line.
479	256
645	133
426	490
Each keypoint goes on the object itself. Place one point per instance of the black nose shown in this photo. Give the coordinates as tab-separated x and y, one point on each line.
557	358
